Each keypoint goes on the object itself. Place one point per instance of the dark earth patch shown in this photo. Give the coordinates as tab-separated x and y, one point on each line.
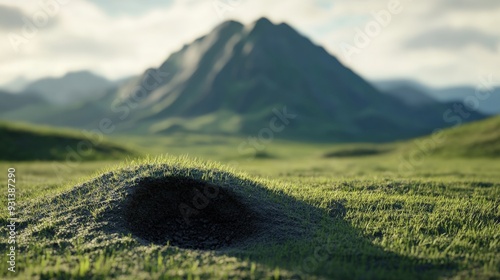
355	152
189	213
481	184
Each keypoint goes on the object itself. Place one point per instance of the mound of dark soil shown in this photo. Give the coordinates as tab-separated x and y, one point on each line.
189	213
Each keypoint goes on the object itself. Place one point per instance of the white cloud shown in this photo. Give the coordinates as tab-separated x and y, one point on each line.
87	37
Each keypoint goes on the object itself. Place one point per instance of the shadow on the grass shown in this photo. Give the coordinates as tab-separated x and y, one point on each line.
238	217
329	246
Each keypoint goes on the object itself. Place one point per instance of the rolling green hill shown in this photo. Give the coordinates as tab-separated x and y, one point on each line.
477	139
21	142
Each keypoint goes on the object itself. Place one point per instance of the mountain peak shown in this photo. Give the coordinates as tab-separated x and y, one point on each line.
85	73
230	24
262	23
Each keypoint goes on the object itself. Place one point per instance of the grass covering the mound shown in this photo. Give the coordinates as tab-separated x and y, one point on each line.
122	221
28	142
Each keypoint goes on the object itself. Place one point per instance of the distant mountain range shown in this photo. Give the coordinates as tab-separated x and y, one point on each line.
16	85
410	92
13	102
238	79
72	87
491	105
415	93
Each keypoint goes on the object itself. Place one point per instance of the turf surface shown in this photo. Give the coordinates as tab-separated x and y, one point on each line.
361	217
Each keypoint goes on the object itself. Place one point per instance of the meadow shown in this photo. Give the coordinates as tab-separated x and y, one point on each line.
319	211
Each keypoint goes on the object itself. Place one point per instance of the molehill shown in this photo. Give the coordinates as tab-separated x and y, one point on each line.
176	201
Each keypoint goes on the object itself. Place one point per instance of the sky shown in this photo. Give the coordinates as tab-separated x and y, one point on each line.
437	42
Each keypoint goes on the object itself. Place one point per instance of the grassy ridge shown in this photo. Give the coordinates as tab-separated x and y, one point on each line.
477	139
21	142
480	139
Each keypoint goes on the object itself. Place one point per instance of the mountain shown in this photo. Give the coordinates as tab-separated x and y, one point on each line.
20	142
410	92
246	80
79	108
232	79
71	88
489	105
15	85
476	139
414	93
11	101
81	114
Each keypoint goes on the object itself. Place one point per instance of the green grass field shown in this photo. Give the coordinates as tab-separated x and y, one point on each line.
308	211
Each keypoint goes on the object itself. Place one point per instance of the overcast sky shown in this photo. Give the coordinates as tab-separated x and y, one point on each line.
438	42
